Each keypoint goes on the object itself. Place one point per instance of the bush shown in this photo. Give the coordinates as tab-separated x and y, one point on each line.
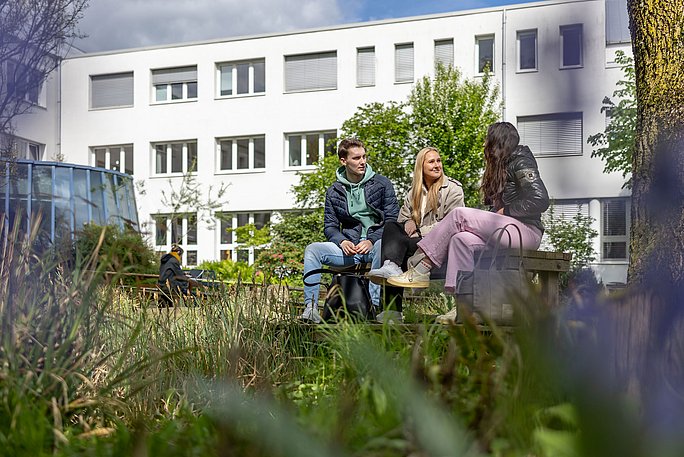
227	270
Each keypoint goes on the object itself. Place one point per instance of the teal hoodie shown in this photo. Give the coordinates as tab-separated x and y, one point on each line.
356	199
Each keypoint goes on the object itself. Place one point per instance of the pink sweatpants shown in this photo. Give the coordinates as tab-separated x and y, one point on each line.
463	231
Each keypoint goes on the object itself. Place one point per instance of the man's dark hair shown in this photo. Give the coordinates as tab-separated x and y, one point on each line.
346	144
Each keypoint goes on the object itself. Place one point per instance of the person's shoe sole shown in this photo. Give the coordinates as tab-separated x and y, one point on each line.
410	285
379	280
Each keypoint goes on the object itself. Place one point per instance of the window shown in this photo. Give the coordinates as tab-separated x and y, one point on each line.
305	149
119	157
22	149
615	229
241	78
485	53
175	157
180	229
444	53
175	84
241	153
230	244
552	134
403	63
564	210
365	67
527	50
25	83
111	91
311	72
617	22
571	46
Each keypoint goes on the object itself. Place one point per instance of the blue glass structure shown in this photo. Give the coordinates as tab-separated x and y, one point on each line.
66	196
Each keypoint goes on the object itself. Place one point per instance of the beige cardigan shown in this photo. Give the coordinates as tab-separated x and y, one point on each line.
449	196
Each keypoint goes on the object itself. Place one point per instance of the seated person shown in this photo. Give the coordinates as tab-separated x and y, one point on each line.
172	280
512	186
432	196
357	206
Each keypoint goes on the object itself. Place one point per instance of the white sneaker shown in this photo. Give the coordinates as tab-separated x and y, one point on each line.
379	275
448	318
311	314
390	317
411	279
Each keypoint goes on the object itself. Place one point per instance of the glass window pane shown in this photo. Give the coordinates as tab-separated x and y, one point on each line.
226	154
243	78
295	147
242	154
128	159
261	219
18	196
259	77
100	154
571	38
160	150
192	156
160	93
259	153
243	255
176	91
177	158
226	226
41	198
62	198
312	149
226	254
81	205
330	142
528	45
177	230
192	229
115	158
110	200
242	220
226	80
160	230
191	257
485	54
192	89
97	197
614	218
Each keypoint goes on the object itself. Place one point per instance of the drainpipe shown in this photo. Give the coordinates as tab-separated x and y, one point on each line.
503	64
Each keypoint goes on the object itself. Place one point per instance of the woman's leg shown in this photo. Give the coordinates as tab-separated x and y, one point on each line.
461	251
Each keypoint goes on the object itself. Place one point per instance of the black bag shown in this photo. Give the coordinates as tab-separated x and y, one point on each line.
347	294
486	291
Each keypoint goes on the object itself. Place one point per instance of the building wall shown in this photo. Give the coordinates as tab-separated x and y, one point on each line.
275	113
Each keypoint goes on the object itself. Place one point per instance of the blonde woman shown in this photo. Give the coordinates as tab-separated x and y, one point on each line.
431	197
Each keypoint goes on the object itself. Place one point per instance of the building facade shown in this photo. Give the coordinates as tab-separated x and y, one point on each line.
250	112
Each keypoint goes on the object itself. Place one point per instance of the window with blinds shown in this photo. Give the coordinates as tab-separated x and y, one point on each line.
403	63
558	134
617	22
171	84
565	211
365	67
311	72
111	91
444	52
615	229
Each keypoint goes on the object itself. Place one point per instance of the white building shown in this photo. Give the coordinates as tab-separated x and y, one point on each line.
251	111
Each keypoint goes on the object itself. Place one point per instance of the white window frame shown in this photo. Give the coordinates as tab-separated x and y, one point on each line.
303	148
234	154
189	248
562	30
478	40
234	77
23	149
111	153
553	135
229	219
181	80
365	66
310	72
624	238
444	52
120	85
523	34
185	163
404	63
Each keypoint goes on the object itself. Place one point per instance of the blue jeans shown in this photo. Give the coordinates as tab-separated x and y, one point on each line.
326	253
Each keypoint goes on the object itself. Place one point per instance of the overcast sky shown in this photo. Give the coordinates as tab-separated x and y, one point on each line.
120	24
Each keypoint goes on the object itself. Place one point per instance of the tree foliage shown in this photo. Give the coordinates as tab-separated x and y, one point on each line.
34	35
575	236
448	112
615	146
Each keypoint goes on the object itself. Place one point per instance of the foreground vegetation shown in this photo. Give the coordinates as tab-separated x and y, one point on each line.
86	369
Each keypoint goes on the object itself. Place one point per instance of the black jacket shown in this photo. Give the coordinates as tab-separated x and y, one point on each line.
339	225
525	196
170	271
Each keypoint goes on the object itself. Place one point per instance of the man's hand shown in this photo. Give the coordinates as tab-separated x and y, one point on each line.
364	247
348	247
410	227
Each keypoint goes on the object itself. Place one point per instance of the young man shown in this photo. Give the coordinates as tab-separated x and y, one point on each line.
356	208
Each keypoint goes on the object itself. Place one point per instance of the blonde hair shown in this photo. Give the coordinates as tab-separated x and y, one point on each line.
416	197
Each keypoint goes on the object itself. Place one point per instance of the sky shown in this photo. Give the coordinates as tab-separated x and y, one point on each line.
121	24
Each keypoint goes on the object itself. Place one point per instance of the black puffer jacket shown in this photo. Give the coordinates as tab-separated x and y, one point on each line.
170	271
525	196
338	223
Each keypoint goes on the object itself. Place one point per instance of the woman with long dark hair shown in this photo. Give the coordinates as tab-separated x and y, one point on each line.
431	197
513	189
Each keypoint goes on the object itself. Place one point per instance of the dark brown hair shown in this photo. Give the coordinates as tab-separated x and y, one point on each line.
502	139
346	144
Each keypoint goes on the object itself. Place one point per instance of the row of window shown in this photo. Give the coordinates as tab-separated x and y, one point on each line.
318	71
